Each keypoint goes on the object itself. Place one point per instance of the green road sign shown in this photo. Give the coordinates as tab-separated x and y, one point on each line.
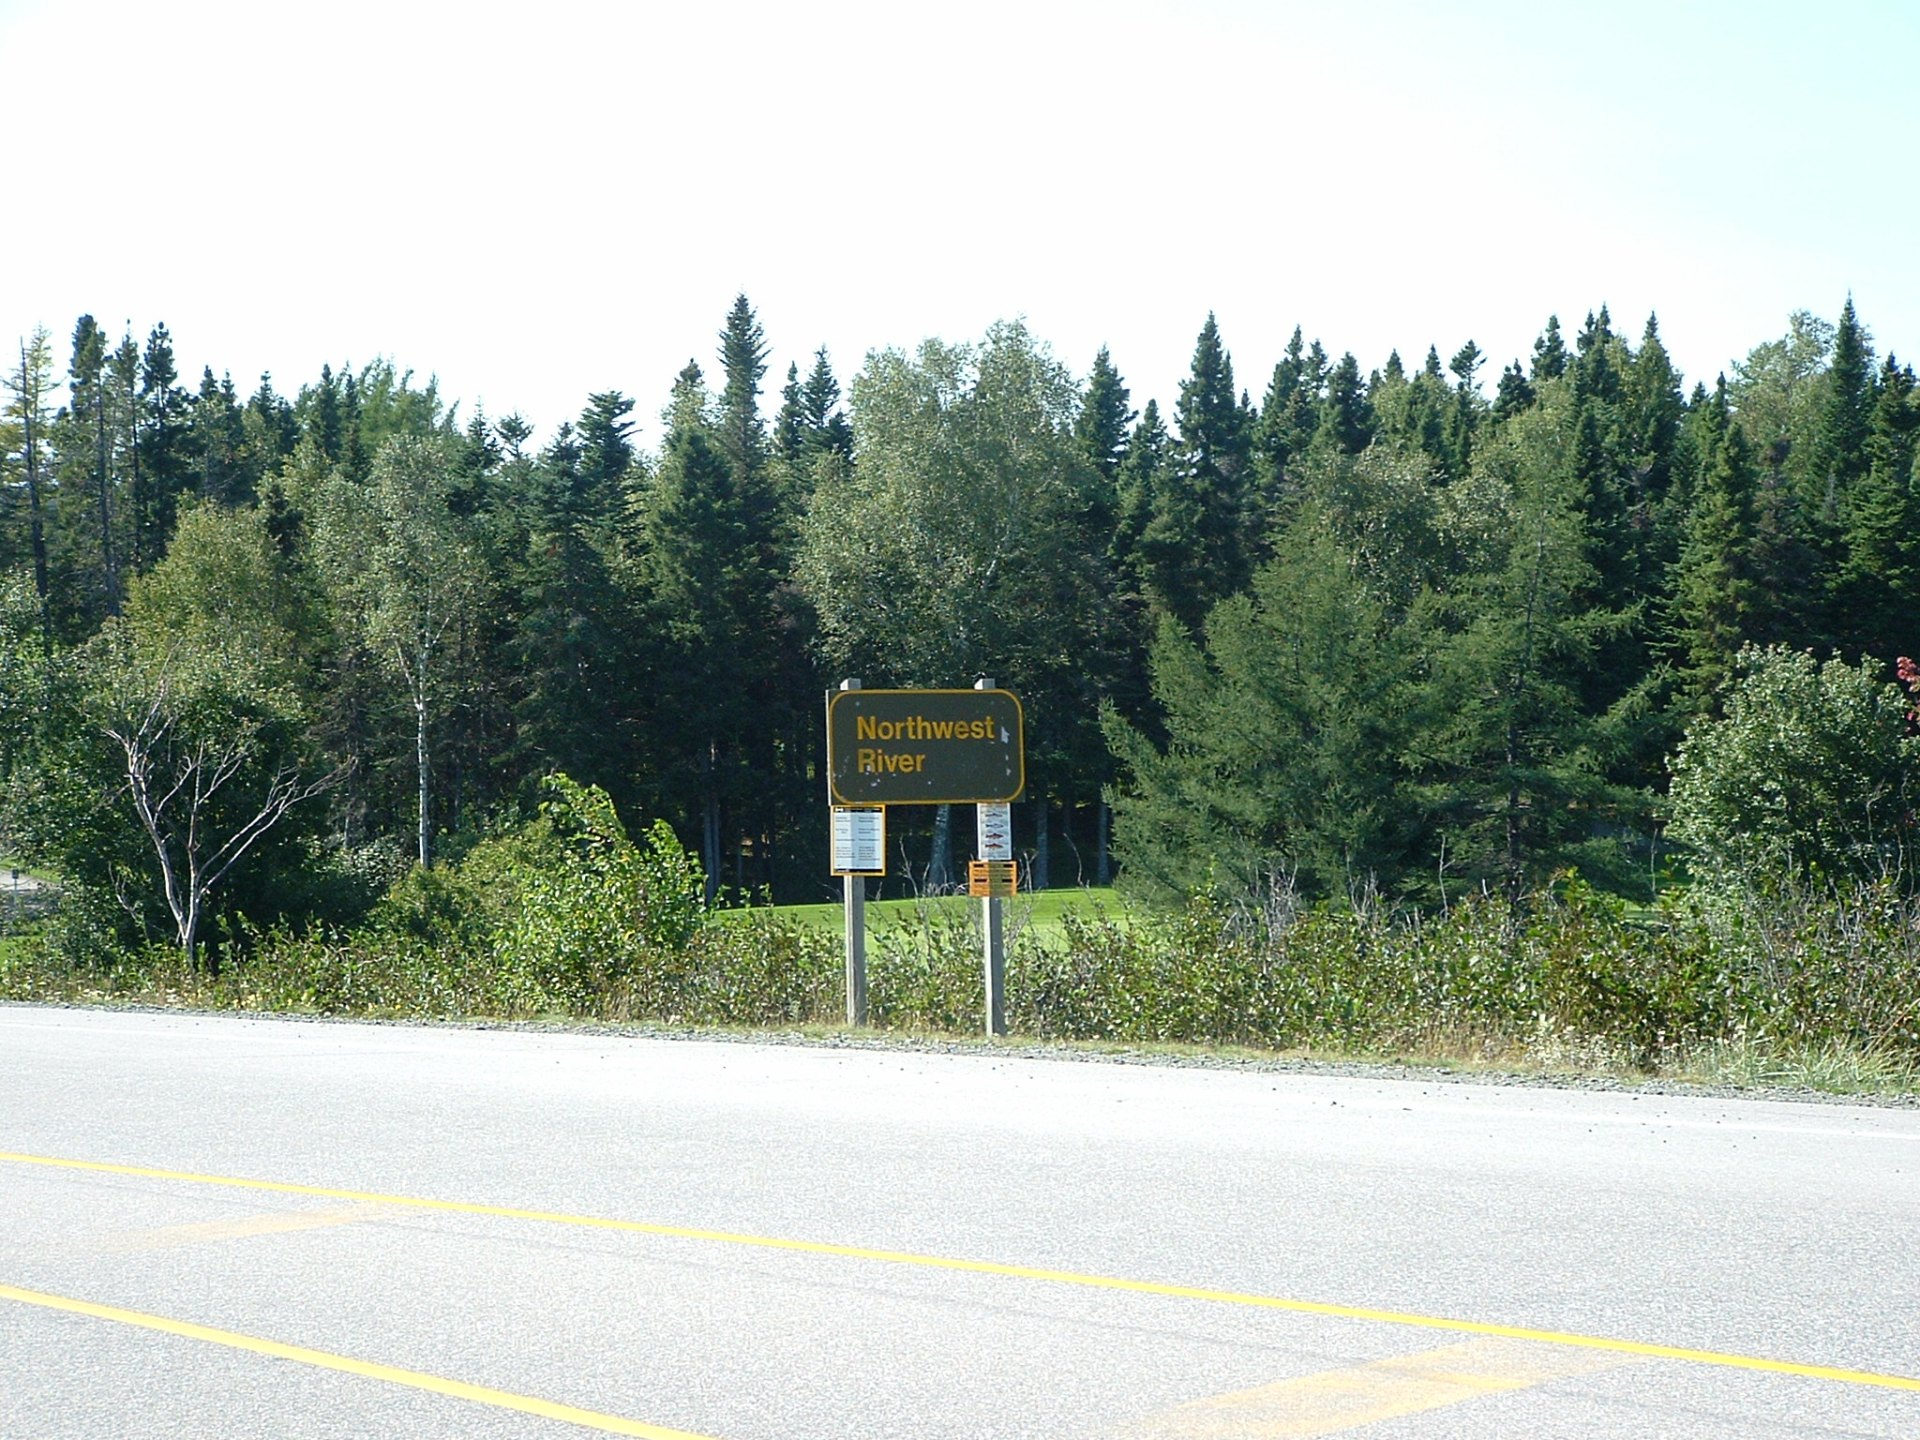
924	747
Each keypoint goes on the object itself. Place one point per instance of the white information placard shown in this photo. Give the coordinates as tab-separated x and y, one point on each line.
859	840
996	832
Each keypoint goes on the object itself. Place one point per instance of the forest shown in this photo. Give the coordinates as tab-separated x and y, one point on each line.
1403	635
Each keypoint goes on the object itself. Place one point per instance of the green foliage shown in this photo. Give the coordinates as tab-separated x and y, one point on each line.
1810	773
1195	548
1286	731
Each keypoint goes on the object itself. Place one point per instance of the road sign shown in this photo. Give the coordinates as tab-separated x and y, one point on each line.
924	747
994	825
859	841
993	879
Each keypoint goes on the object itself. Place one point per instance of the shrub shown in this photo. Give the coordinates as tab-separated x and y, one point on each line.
1811	772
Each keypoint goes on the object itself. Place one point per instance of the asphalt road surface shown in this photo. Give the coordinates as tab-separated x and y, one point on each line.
228	1227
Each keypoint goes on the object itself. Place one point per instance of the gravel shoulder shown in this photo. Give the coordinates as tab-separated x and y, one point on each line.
1086	1053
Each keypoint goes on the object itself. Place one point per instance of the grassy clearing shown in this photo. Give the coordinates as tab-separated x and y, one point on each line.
1041	913
8	864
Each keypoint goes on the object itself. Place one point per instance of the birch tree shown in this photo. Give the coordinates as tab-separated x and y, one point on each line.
406	578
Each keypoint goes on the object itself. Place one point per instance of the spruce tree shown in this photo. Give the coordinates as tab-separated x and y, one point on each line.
271	428
1877	583
700	570
606	454
571	622
165	468
1100	432
824	424
741	432
1840	440
31	385
82	440
1288	417
1195	544
1463	414
789	425
1549	353
1651	410
1515	393
1714	600
1100	429
216	441
1346	420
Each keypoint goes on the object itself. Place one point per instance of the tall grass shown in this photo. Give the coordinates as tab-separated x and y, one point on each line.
1817	988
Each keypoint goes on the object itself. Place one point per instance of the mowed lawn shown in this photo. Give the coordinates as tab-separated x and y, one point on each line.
1043	910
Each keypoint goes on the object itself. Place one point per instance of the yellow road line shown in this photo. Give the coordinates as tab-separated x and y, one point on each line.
1334	1401
1016	1272
280	1222
415	1379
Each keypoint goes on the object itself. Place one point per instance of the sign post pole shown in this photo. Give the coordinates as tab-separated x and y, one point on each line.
992	929
855	899
856	903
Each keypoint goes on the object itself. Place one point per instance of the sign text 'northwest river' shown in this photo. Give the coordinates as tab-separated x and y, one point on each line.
924	747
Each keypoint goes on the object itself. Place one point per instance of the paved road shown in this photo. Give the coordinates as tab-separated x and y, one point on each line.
520	1234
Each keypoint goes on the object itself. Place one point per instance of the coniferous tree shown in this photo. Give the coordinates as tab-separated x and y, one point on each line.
1463	414
1519	767
1101	427
1515	393
826	424
122	386
271	429
1391	395
1195	544
569	636
606	454
1346	420
80	437
1549	353
1149	455
30	386
165	469
1877	582
1714	604
789	428
1840	441
1894	426
216	442
703	587
1100	431
740	431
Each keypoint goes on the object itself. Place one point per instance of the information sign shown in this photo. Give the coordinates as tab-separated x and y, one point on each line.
993	879
924	747
995	824
859	840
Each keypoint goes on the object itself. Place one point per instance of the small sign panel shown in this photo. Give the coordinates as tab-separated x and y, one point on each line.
859	840
995	832
993	879
924	747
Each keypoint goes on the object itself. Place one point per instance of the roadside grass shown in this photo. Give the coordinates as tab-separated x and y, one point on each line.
1833	1068
1577	994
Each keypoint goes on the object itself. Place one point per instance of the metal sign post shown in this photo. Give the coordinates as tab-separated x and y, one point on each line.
853	870
856	903
993	830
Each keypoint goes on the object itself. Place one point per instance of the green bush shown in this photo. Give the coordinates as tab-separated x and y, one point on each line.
1810	774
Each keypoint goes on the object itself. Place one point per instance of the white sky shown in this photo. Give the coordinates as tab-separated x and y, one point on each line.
541	199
